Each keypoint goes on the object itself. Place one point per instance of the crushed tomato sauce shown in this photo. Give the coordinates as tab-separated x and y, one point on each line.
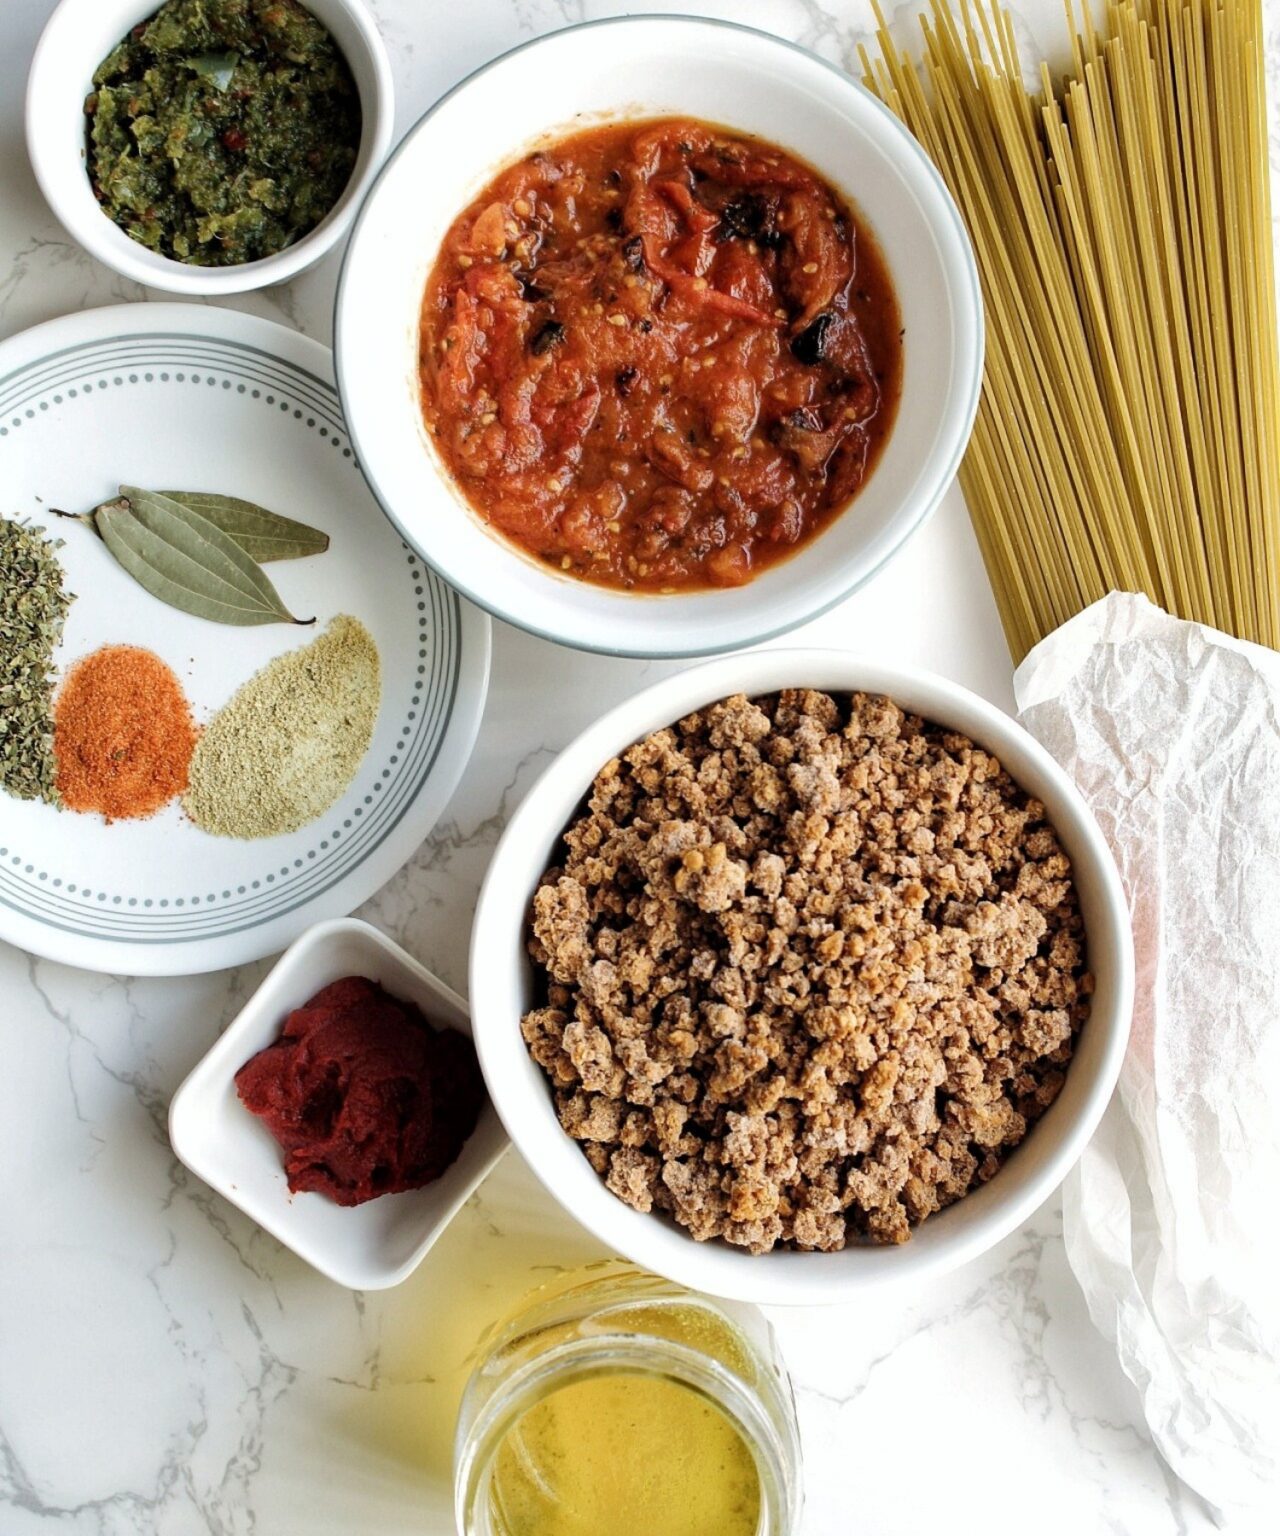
659	355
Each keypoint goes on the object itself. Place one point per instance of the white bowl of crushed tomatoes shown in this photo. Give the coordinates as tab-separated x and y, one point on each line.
665	404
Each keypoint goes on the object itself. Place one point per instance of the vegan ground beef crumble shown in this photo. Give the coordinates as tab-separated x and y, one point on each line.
809	969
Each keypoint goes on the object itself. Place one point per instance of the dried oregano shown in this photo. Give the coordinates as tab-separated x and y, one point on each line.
33	608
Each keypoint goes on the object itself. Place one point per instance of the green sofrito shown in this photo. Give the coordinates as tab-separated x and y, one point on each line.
221	131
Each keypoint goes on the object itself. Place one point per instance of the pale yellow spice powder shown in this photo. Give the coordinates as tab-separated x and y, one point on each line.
289	742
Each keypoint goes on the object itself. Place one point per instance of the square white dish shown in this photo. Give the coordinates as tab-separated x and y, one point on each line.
365	1247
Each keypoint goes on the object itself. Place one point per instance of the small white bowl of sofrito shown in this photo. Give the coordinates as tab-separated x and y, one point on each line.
658	336
208	146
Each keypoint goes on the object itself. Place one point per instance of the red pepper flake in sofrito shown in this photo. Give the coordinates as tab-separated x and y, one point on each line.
659	355
363	1094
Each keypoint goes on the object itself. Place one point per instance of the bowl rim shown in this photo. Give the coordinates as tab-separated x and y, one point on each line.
177	277
961	412
733	1272
216	1069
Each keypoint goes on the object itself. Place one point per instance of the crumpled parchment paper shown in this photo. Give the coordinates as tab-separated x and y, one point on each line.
1172	731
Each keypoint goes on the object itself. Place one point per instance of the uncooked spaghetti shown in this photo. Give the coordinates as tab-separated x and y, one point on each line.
1129	431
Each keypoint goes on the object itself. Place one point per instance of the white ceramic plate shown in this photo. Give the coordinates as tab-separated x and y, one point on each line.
366	1247
171	395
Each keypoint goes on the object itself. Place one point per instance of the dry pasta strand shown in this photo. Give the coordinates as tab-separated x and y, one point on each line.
1128	436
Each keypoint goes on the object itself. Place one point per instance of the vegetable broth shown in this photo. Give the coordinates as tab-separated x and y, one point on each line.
629	1453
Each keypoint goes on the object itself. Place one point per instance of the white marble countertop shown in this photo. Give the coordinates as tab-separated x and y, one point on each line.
165	1367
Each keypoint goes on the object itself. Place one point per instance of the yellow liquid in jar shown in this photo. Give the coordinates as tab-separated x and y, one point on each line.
624	1454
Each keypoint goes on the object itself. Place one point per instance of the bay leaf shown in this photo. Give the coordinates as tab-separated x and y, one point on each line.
216	68
187	561
264	536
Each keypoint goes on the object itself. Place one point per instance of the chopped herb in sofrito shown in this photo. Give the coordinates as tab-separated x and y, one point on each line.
221	131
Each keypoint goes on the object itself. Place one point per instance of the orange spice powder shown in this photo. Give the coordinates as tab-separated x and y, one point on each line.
123	734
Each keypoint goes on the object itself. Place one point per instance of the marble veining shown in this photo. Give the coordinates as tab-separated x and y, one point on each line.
166	1368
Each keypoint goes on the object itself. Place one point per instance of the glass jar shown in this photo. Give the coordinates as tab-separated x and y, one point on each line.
615	1321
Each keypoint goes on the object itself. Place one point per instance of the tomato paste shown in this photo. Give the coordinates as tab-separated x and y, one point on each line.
659	355
364	1096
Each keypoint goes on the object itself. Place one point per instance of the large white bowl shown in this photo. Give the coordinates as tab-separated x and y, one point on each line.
76	39
639	67
502	990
